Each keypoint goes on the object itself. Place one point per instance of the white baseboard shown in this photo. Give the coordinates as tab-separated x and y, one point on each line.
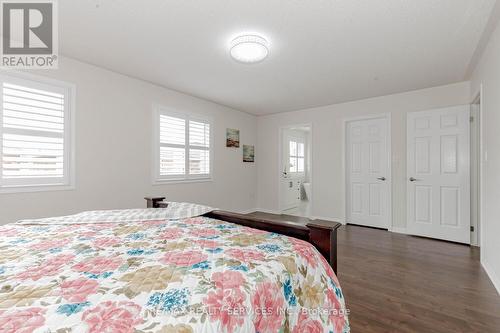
398	230
492	275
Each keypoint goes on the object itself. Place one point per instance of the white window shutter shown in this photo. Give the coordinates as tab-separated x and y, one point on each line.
184	147
199	134
199	148
34	149
172	161
172	146
172	130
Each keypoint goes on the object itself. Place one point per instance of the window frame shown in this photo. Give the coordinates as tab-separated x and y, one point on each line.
69	90
158	179
297	156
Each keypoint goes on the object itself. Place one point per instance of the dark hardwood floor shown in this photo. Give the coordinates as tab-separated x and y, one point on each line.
399	283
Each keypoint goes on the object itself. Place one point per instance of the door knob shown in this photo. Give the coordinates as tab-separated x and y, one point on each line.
381	178
413	179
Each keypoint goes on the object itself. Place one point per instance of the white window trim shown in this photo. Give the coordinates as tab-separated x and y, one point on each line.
69	133
187	178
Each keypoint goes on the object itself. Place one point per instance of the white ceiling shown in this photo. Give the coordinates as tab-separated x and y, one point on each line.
322	51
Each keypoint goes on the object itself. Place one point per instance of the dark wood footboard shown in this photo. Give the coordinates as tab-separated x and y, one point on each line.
322	234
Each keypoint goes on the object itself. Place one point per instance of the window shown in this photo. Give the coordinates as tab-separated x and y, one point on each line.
35	133
182	146
297	156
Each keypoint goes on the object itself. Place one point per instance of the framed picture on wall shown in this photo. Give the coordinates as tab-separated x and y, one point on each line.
232	138
248	153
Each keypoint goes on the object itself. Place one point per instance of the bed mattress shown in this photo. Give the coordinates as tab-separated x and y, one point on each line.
111	272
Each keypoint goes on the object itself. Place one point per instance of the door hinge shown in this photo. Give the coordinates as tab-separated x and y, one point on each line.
471	228
471	119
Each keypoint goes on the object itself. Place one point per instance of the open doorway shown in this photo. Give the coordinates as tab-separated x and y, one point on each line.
295	173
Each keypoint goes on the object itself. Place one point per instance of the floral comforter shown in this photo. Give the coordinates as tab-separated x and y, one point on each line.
188	275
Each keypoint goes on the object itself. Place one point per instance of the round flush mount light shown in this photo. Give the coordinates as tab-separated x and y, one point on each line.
249	49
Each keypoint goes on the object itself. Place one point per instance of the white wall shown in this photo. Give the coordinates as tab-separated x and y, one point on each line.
487	74
327	147
113	149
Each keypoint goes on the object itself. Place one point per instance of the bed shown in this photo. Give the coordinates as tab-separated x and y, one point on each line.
184	268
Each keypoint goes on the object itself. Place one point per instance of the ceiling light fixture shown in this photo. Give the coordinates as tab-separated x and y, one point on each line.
250	48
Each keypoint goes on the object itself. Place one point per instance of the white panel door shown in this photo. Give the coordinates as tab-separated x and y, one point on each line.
438	173
368	173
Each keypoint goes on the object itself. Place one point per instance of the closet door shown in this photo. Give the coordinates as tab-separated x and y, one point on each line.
368	173
438	174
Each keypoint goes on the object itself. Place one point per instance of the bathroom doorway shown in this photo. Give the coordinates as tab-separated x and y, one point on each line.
295	173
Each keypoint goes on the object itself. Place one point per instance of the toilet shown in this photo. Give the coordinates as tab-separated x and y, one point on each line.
307	190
